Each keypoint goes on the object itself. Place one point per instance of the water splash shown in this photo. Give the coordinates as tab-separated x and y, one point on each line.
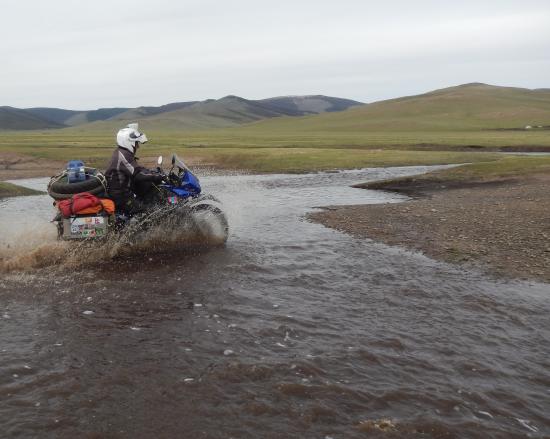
39	248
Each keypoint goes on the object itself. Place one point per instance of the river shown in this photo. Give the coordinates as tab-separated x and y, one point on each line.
291	330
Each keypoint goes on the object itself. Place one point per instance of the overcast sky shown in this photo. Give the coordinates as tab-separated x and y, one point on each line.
86	54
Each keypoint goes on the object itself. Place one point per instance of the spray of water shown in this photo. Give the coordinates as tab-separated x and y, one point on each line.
39	248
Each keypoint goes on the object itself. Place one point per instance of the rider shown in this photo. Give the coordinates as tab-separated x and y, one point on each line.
124	176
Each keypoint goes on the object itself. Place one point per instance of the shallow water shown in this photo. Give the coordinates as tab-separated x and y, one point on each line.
291	330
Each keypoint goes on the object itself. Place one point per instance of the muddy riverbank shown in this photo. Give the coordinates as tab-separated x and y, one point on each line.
500	225
15	166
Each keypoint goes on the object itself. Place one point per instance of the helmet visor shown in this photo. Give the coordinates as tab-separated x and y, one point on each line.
136	136
142	138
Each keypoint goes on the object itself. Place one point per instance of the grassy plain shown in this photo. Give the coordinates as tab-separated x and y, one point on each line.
229	151
259	149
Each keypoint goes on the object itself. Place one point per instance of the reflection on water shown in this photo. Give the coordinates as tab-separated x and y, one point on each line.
291	330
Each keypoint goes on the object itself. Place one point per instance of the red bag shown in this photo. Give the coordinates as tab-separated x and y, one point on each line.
107	206
77	203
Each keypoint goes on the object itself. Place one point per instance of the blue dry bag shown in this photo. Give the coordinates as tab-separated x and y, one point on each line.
76	171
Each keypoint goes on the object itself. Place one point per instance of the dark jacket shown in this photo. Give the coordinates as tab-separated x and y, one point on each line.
123	171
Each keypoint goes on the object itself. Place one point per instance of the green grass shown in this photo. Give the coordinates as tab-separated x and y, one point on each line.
316	154
316	159
289	133
12	190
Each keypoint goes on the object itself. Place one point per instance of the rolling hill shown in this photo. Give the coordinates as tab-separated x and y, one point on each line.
57	115
73	117
468	107
465	107
302	105
94	115
17	119
227	112
142	112
211	113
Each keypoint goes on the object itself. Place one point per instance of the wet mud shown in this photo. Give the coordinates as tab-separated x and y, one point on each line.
290	330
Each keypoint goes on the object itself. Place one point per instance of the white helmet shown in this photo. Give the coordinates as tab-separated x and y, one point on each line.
128	137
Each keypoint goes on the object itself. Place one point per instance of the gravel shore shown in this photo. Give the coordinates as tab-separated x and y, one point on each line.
502	226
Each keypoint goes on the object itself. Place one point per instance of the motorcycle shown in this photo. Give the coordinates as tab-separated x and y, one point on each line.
177	202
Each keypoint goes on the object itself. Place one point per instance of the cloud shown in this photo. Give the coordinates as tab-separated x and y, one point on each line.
125	53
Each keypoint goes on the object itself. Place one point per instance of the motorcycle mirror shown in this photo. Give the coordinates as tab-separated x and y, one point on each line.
159	160
173	159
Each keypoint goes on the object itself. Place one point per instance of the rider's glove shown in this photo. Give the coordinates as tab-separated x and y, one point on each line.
158	179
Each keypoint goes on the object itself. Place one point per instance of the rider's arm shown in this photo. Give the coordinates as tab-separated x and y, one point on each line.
126	163
144	174
129	166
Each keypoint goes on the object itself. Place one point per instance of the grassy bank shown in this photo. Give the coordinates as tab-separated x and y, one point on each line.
313	159
12	190
506	168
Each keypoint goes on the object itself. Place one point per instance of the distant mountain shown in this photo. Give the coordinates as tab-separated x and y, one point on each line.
57	115
225	112
74	117
465	107
302	105
471	106
17	119
141	112
94	115
236	110
211	113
